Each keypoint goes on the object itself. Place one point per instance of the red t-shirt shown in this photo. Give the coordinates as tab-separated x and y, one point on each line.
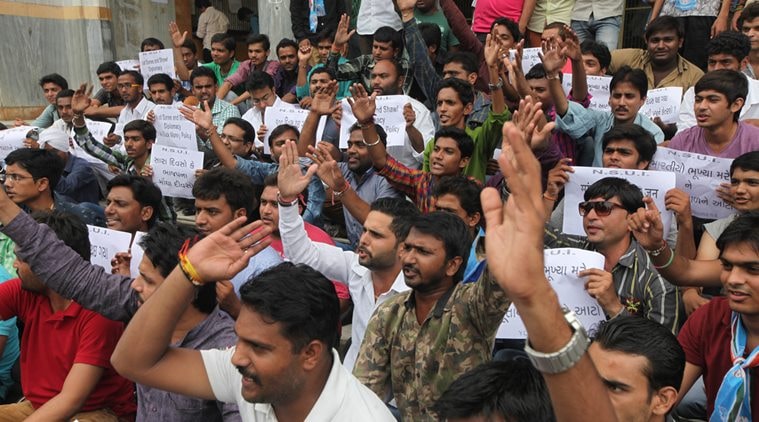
705	338
53	342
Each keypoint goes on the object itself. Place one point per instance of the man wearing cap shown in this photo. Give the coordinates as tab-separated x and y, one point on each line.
78	182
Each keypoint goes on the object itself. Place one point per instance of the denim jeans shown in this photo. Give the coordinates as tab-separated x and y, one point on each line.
605	31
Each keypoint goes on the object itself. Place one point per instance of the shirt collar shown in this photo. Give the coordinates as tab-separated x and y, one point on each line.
628	258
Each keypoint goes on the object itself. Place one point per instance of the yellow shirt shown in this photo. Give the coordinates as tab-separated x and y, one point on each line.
686	74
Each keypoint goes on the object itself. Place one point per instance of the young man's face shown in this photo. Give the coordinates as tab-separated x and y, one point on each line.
451	111
622	154
323	46
425	267
740	278
446	159
425	6
609	230
625	101
276	143
452	204
213	214
21	187
377	246
358	154
385	79
108	81
188	58
269	208
456	70
257	54
503	37
744	185
50	90
540	91
136	145
148	281
63	105
288	58
317	81
204	88
723	61
663	46
751	29
129	89
383	50
263	97
592	66
124	213
220	55
713	110
161	94
233	137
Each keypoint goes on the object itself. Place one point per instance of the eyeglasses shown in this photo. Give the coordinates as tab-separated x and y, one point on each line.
260	100
231	138
13	177
126	86
602	208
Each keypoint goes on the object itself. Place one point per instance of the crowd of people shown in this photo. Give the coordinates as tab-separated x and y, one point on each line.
416	201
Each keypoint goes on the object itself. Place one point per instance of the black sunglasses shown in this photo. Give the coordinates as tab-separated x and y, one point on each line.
602	208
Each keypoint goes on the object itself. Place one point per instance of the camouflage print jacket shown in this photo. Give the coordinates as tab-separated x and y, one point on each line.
416	363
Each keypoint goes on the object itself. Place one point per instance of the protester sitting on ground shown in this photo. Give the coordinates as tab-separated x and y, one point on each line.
51	85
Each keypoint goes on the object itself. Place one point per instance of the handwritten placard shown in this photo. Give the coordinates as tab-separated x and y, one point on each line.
530	57
174	169
652	183
561	268
389	115
698	175
13	139
137	253
280	114
99	130
172	129
598	88
129	64
663	103
157	61
105	244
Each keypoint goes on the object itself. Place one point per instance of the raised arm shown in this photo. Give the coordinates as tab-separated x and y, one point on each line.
177	40
364	106
553	60
329	172
497	101
571	50
322	104
461	29
424	72
203	120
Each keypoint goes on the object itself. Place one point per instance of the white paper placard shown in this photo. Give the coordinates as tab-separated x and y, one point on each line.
663	103
530	58
172	129
561	268
699	175
287	114
157	61
174	169
99	130
137	253
389	115
13	139
652	183
105	244
129	64
598	88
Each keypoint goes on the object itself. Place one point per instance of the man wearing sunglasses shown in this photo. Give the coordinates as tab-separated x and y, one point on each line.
629	283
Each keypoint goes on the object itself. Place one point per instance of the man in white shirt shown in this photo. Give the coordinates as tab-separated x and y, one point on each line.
136	106
210	22
260	86
283	366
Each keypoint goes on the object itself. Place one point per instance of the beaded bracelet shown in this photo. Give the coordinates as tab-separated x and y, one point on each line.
186	266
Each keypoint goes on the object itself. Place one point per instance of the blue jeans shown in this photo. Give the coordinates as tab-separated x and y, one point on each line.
604	31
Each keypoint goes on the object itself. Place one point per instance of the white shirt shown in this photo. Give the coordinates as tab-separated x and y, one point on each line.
405	153
338	265
374	14
687	116
255	117
343	399
210	23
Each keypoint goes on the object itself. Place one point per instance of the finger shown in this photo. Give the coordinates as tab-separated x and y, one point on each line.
492	207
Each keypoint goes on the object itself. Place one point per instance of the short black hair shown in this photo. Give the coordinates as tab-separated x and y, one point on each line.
236	186
69	228
280	130
249	132
65	93
151	41
732	43
108	67
143	189
744	230
731	84
538	71
202	71
636	77
598	50
450	230
510	25
380	131
144	127
300	299
54	78
402	212
286	42
664	23
463	140
138	79
629	195
746	162
190	45
463	89
644	142
639	336
259	79
202	3
466	59
430	34
39	163
161	78
465	189
227	40
512	389
259	39
749	13
388	34
322	69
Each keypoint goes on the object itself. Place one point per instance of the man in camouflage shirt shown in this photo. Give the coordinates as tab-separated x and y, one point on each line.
418	342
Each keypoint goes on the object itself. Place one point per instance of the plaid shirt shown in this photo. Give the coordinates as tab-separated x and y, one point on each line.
221	111
416	184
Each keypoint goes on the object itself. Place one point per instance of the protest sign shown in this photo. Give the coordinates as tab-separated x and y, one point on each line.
130	64
389	115
530	57
13	139
652	183
663	103
105	243
98	130
598	88
561	268
286	114
174	169
137	254
172	129
157	61
698	175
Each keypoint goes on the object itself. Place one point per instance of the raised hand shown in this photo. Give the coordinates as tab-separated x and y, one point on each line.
571	44
409	115
342	35
646	225
290	180
558	176
328	170
304	52
81	99
530	121
177	38
492	51
552	57
202	117
323	101
362	104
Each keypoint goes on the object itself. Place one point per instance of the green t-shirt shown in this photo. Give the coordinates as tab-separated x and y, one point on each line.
447	39
220	77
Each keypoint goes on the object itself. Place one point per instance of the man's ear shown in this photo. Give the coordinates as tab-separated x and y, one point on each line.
663	400
146	213
463	162
453	265
468	109
239	213
43	184
737	104
312	354
473	220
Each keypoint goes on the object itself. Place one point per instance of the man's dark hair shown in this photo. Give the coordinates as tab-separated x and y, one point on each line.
664	23
54	78
635	77
138	79
388	34
462	88
380	131
744	230
465	189
143	189
144	127
202	71
510	25
464	142
556	25
300	299
202	3
3	126
279	130
629	195
262	39
402	212
642	337
66	93
325	35
259	79
512	389
749	13
249	135
152	42
430	34
323	69
161	245
746	162
190	45
732	43
644	142
729	83
286	42
161	78
537	71
39	163
69	228
226	40
450	230
108	67
466	59
598	50
235	186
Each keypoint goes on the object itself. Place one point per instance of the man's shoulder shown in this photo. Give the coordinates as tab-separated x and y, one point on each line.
710	318
215	331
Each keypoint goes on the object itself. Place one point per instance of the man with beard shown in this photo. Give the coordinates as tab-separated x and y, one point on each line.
136	106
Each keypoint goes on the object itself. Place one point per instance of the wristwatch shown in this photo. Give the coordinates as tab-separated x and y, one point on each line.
567	356
496	87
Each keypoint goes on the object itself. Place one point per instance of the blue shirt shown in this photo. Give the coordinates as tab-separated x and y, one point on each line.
78	181
260	262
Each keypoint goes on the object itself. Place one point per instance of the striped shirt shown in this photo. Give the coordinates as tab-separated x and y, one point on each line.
416	184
